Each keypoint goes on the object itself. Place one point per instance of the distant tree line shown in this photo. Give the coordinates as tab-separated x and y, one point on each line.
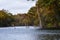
5	18
49	11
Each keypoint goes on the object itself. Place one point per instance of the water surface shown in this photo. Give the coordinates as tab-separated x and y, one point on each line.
23	33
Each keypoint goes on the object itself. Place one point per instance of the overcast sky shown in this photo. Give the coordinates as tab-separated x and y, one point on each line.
16	6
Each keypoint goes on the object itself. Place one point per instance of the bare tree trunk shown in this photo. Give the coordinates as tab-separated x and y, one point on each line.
39	17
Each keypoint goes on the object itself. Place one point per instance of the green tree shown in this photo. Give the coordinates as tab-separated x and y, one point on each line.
5	18
50	12
32	13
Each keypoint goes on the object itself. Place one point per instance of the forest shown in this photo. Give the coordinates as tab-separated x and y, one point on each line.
47	10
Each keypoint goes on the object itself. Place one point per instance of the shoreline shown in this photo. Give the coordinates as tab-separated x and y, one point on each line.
34	27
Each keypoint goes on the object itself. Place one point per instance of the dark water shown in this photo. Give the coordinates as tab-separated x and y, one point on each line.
22	33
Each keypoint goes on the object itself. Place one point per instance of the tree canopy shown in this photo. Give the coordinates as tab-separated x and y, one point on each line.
48	12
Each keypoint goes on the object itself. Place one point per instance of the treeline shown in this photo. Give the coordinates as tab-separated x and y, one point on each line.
48	11
7	19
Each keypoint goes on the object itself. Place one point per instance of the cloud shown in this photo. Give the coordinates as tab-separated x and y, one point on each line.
15	6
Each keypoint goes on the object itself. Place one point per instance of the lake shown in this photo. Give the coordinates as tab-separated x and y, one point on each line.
28	33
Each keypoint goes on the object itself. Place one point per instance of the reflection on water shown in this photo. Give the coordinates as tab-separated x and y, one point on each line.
28	34
48	37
